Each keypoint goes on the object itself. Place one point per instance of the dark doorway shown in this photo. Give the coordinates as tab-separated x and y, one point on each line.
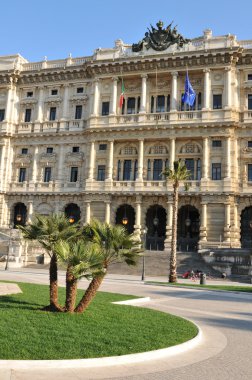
246	228
156	228
72	212
20	214
125	215
188	228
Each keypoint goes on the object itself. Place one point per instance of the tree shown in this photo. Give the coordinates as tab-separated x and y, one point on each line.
47	231
178	174
83	259
115	245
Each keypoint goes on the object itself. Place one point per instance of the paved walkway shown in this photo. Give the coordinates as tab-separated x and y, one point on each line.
225	319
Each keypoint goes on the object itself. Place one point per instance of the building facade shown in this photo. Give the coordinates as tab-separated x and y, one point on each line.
67	146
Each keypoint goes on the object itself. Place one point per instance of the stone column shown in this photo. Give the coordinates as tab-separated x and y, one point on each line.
40	105
110	161
107	212
2	165
35	165
9	103
65	103
61	164
91	161
228	87
30	211
203	226
205	174
88	212
228	157
172	153
174	91
140	160
207	89
227	226
114	97
96	98
137	226
143	93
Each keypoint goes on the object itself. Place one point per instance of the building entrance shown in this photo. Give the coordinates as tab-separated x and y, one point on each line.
156	228
125	215
246	228
188	228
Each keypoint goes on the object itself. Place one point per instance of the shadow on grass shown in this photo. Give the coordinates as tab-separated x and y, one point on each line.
8	302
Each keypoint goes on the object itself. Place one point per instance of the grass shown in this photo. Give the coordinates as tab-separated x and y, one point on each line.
230	288
104	329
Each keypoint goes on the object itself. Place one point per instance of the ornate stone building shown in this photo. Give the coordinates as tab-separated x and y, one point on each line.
67	146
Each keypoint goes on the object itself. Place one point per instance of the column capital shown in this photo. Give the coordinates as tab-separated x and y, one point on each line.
228	68
139	199
174	73
114	79
144	76
206	70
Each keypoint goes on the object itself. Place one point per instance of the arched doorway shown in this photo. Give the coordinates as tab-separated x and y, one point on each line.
156	228
188	228
72	212
20	214
125	215
246	228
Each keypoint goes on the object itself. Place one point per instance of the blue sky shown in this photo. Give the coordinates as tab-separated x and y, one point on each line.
57	27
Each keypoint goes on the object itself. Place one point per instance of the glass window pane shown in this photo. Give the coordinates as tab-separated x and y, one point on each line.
250	101
217	101
101	173
74	174
105	108
216	171
127	170
52	115
249	172
160	103
189	163
131	103
47	174
78	112
157	170
2	113
22	174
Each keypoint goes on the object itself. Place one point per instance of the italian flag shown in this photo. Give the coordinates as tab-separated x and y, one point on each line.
121	100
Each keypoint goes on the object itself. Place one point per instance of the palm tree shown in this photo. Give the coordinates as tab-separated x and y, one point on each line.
178	174
47	231
115	245
83	260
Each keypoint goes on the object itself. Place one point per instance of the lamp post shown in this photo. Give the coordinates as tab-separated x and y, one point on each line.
144	247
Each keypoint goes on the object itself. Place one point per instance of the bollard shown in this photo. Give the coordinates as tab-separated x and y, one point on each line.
202	279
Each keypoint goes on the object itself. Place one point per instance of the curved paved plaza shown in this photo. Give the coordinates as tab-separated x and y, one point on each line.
225	319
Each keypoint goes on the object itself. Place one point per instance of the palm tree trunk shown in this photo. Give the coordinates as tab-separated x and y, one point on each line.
89	294
173	258
53	277
71	290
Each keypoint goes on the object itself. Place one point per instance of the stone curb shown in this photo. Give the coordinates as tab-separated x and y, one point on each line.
107	361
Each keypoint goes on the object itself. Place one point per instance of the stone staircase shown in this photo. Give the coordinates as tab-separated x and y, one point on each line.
157	264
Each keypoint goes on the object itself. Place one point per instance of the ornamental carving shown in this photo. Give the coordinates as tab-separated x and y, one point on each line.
48	157
53	100
28	101
80	99
74	157
160	39
23	159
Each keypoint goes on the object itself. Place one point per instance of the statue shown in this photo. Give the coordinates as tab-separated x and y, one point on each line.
160	39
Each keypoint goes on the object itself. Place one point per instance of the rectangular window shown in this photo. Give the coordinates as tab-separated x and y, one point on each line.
198	170
22	174
47	174
135	169
249	76
160	103
118	170
217	101
250	101
216	143
157	170
249	172
105	108
79	90
216	172
2	114
152	104
249	144
27	115
54	92
189	163
131	105
78	112
102	146
49	150
52	115
74	174
76	149
168	103
149	170
127	170
101	173
138	104
29	94
24	151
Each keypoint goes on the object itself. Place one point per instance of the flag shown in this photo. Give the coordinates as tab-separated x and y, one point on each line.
189	95
121	100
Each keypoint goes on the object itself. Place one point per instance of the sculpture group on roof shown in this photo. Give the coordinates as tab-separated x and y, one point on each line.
160	39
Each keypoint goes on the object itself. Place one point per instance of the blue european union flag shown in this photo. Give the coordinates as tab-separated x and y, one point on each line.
189	95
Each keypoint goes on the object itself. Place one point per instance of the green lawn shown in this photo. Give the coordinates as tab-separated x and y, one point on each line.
230	288
104	329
